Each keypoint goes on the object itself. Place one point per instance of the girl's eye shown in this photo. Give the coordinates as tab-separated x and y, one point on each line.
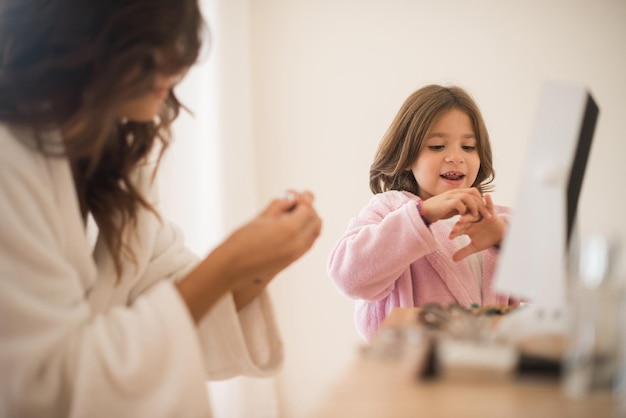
435	147
469	148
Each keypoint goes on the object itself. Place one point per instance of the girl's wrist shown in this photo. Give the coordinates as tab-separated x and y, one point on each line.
420	210
504	224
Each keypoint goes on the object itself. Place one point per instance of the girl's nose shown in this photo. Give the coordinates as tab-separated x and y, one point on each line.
454	156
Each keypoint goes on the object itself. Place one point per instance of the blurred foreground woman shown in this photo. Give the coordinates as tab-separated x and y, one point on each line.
131	323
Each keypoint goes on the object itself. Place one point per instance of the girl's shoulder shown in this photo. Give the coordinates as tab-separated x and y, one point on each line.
394	197
382	204
390	200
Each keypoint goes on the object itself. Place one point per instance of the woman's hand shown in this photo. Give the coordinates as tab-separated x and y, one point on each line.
253	254
465	202
281	234
484	232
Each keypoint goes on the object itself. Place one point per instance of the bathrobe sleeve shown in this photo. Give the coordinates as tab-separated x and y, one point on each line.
59	357
232	343
378	245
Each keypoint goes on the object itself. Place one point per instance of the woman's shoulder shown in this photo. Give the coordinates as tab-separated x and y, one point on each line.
18	144
15	146
22	160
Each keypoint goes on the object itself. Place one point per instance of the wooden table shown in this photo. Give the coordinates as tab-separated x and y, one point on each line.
379	386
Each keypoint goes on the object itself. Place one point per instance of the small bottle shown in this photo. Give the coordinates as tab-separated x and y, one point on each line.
592	358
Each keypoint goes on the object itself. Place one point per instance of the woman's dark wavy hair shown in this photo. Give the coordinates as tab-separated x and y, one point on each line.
71	63
401	144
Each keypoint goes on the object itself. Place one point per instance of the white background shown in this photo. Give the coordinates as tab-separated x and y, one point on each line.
317	83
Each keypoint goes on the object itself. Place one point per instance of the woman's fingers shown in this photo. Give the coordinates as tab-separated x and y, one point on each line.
288	202
271	244
310	223
304	220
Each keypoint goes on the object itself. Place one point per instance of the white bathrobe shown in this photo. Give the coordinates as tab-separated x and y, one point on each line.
74	342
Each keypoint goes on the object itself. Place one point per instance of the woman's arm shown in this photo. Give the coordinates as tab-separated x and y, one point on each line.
250	257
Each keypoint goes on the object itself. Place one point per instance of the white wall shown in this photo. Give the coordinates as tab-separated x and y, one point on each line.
329	75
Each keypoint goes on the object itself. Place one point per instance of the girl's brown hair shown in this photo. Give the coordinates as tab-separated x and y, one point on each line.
401	144
70	64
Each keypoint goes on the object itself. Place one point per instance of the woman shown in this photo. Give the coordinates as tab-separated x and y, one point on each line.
136	324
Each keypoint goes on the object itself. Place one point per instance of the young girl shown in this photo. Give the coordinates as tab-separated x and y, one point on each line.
134	326
428	234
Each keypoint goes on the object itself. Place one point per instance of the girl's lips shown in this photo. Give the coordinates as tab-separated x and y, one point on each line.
452	173
454	178
455	182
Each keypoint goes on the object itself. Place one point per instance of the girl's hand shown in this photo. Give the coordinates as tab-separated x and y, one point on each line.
483	232
465	202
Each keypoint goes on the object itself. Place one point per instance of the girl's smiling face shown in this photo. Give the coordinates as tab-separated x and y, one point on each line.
448	158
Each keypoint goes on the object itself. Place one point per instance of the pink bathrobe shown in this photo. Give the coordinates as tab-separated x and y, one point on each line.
389	258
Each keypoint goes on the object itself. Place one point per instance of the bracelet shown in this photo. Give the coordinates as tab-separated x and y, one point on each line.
420	209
